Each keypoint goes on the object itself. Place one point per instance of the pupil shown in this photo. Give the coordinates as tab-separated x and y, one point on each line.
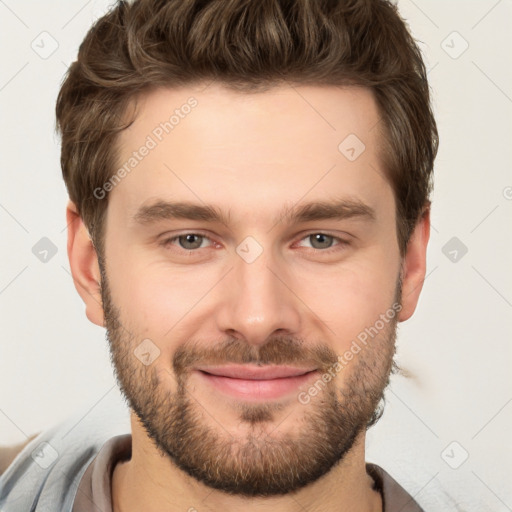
323	240
189	241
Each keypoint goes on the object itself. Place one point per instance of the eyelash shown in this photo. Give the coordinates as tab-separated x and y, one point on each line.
341	242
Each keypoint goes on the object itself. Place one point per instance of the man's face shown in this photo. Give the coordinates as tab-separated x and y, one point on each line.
255	286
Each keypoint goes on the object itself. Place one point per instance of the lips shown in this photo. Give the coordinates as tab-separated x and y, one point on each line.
248	372
255	383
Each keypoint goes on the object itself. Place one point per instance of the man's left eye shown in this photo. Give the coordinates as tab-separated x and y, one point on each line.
322	241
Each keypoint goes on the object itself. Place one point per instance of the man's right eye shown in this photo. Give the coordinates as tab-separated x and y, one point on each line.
186	241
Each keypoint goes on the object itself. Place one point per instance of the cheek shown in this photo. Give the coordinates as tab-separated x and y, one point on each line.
349	299
158	300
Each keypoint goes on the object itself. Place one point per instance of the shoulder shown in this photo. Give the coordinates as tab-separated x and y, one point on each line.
9	453
45	468
46	471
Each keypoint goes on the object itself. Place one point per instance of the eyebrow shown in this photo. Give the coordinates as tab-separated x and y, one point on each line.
313	211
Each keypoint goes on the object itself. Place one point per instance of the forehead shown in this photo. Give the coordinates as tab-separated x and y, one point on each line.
215	145
213	110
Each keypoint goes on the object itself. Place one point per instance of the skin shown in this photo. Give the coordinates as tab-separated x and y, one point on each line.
8	453
226	152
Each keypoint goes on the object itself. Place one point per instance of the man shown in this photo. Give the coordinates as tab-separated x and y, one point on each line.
249	216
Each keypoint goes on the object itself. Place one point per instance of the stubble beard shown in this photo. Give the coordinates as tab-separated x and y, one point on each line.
268	460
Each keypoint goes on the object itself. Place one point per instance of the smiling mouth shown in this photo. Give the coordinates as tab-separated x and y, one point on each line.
255	382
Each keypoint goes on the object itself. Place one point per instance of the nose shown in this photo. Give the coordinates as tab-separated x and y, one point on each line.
259	301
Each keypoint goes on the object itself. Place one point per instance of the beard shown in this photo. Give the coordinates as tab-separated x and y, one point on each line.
267	460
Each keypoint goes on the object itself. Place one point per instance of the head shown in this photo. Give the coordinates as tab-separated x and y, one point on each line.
249	183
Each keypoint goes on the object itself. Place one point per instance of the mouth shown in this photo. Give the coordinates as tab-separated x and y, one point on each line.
255	383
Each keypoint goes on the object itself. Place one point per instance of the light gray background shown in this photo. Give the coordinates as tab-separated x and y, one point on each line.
54	363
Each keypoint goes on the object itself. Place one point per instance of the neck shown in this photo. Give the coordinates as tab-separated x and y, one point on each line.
151	482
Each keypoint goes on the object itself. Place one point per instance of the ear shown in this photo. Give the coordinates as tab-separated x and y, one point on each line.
414	265
85	269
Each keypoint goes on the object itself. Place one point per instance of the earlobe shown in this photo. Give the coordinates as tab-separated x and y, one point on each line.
84	265
414	265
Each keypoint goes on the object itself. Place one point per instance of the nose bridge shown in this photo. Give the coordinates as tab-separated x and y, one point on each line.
259	302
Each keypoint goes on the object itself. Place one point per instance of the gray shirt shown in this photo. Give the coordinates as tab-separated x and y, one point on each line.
71	471
95	486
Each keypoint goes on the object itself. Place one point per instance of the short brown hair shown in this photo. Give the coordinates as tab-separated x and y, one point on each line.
247	46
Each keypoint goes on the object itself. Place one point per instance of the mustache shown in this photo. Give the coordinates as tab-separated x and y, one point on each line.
276	351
